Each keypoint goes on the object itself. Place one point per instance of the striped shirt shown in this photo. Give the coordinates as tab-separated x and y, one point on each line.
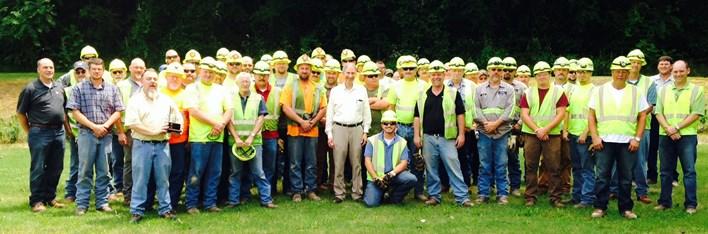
97	104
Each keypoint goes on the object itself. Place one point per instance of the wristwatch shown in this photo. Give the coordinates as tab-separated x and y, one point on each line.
637	139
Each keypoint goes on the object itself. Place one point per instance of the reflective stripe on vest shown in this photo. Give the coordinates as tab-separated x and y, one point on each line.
675	110
448	106
578	109
617	120
245	120
406	110
543	113
378	154
470	110
298	102
273	108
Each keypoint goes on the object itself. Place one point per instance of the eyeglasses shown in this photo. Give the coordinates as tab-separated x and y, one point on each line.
348	61
88	57
189	71
171	57
508	70
316	73
117	72
234	64
495	69
388	123
154	78
572	72
372	76
82	71
409	68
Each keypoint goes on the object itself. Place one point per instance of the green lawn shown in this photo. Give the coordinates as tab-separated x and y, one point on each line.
348	217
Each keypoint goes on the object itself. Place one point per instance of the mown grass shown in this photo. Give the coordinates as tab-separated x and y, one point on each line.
348	217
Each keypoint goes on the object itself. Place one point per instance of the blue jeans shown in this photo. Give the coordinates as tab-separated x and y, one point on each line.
639	173
93	153
493	158
270	158
614	154
178	171
256	166
399	187
301	153
204	173
46	148
150	159
685	150
70	188
407	133
514	165
436	148
117	164
583	171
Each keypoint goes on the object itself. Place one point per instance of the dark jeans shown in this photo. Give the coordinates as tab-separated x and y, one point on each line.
653	157
514	163
70	187
474	156
117	164
671	151
178	172
614	153
282	170
46	148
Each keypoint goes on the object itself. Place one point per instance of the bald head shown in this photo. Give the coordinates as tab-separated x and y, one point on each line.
680	71
137	68
349	71
45	69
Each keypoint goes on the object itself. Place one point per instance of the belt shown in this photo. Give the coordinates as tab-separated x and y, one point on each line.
37	125
154	141
348	125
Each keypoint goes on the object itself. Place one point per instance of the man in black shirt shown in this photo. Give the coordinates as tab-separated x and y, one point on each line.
439	119
40	111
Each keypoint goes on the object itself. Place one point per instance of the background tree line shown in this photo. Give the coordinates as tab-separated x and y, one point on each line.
474	30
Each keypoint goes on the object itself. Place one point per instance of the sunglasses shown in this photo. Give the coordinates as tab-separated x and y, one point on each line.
234	64
348	61
508	70
117	72
88	57
372	76
80	71
409	68
171	57
189	71
495	69
388	123
572	72
316	73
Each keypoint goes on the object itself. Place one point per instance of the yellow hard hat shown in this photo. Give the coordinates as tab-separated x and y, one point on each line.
456	63
573	65
332	65
347	54
523	70
207	63
192	56
471	68
175	68
370	68
637	55
423	63
221	54
495	62
361	60
234	58
220	67
318	53
243	153
117	64
388	116
436	66
509	63
261	68
316	65
280	57
266	58
541	67
88	51
303	59
406	61
585	64
560	63
621	63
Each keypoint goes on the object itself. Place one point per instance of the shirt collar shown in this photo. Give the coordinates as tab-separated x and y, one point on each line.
395	138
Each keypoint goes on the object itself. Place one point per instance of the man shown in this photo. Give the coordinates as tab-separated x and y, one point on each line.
190	71
482	76
118	70
660	80
386	158
377	101
123	152
40	112
542	110
383	80
304	104
515	138
439	128
233	65
148	116
347	57
348	121
494	103
96	105
523	74
87	52
471	72
171	56
423	65
271	96
576	133
249	113
247	64
178	141
402	97
646	86
221	54
466	89
192	57
325	154
80	73
281	76
561	69
572	71
209	112
678	109
279	79
616	120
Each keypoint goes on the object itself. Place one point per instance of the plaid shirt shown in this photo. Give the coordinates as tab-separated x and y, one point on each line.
97	104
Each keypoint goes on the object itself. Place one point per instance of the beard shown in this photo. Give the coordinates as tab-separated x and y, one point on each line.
151	93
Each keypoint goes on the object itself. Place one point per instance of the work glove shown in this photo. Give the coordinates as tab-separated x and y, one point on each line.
419	162
511	144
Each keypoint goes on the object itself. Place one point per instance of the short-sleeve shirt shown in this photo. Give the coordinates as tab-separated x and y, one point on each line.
697	104
96	103
42	104
307	88
177	96
376	114
153	114
388	152
617	96
434	120
212	100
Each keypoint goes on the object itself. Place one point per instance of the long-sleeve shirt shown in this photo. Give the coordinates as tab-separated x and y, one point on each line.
348	106
492	104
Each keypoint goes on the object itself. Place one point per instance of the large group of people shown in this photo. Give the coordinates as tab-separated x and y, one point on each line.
200	132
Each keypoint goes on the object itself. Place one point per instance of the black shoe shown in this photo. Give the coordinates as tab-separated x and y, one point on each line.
338	200
136	218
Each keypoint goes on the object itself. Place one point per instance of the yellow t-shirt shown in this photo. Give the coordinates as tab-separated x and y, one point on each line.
212	100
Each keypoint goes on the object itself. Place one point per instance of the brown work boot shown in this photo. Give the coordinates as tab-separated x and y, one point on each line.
313	196
432	202
56	204
270	206
193	211
644	199
105	208
297	197
214	209
38	207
